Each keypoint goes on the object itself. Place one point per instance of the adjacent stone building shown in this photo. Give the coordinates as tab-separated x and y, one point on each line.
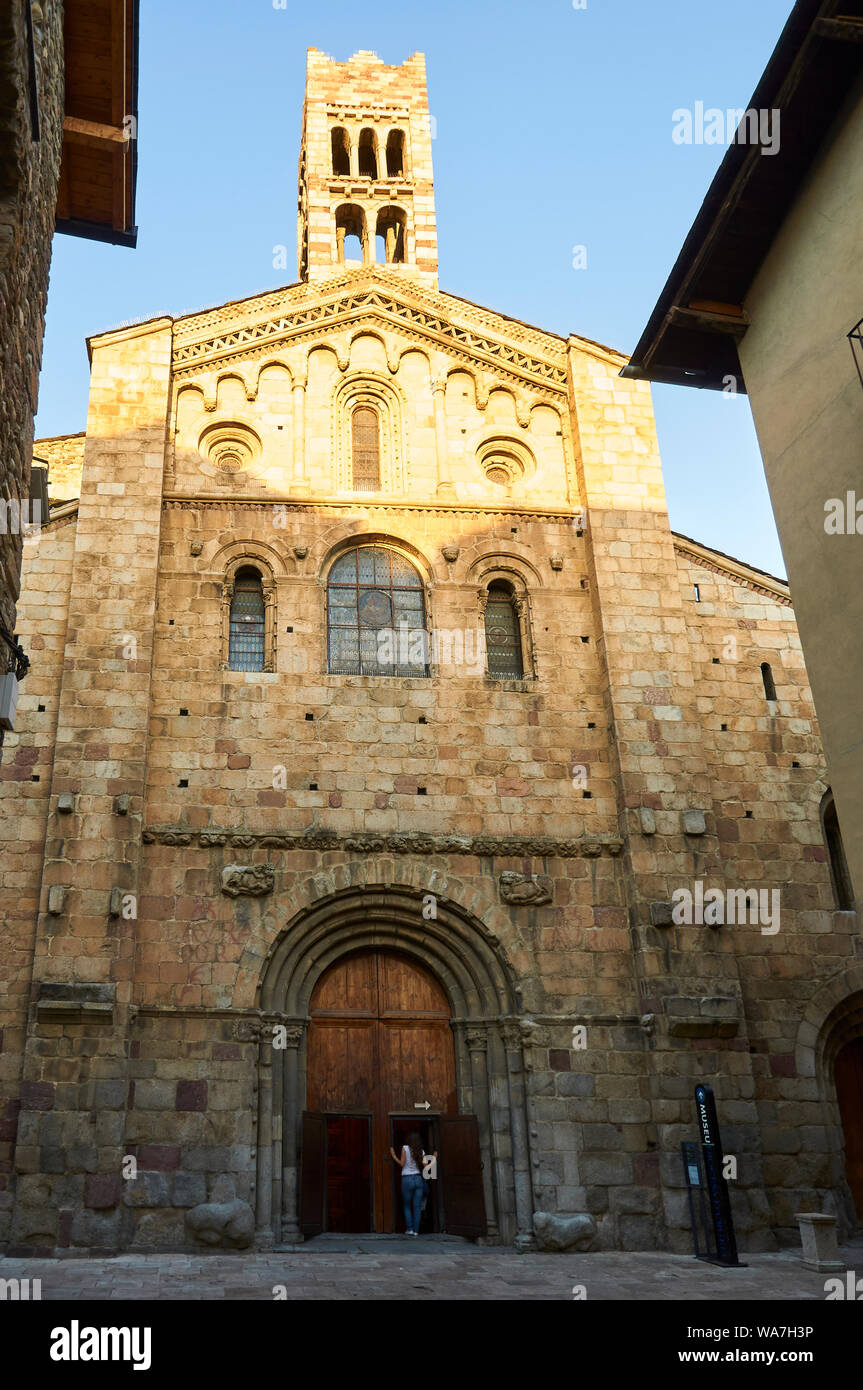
377	727
68	157
765	298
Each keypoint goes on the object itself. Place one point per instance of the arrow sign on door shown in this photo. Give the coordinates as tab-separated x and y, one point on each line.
422	1105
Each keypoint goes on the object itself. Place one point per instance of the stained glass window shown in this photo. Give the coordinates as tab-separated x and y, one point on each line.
502	634
365	453
376	615
246	640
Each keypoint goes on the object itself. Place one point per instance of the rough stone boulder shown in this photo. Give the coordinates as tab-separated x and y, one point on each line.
229	1224
564	1232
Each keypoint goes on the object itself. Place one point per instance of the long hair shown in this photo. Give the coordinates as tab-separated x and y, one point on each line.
415	1144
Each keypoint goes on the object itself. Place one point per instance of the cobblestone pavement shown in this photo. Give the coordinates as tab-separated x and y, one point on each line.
342	1268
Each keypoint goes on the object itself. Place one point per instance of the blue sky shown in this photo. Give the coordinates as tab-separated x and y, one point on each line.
553	131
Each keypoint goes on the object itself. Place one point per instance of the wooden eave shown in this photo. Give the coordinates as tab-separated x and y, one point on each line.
98	168
692	336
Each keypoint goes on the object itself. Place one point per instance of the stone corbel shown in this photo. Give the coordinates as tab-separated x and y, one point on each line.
525	890
248	880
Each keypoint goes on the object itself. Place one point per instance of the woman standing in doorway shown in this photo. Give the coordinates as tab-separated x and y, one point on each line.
411	1163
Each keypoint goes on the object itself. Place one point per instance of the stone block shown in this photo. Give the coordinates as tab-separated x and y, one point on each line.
190	1190
818	1235
158	1157
96	1229
564	1232
159	1230
147	1190
228	1225
102	1190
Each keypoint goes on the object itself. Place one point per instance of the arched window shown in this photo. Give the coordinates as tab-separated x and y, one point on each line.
351	234
246	642
396	154
365	450
376	622
503	633
391	227
341	152
769	684
842	889
368	158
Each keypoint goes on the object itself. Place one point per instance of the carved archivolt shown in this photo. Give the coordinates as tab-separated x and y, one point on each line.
366	388
230	447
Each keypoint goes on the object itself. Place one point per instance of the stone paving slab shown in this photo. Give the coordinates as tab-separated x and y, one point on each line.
413	1270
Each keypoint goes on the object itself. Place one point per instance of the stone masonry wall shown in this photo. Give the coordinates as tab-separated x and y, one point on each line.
334	783
64	455
29	173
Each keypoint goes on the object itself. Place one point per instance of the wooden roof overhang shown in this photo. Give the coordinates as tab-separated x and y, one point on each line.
99	164
692	336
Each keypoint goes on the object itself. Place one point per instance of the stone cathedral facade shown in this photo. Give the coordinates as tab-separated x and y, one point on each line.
377	722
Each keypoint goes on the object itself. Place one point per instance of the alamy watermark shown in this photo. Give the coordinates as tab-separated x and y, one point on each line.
716	907
14	518
414	646
715	126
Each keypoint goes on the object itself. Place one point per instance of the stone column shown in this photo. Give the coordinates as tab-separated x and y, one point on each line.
476	1039
445	485
290	1121
300	482
264	1203
512	1041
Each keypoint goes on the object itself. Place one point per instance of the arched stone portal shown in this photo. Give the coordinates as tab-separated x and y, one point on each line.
829	1049
471	968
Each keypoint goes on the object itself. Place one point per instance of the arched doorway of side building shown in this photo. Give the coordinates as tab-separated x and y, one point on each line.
848	1076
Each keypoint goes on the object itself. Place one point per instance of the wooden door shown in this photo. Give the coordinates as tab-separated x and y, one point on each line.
848	1072
313	1165
348	1190
460	1171
380	1043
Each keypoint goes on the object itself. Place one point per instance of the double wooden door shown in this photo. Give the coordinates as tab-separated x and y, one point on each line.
380	1049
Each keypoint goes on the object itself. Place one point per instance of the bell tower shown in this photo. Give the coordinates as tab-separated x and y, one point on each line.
366	189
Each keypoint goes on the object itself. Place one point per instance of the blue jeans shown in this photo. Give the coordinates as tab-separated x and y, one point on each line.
412	1199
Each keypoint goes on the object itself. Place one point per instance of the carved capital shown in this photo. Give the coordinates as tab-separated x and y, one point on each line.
534	1034
511	1033
476	1039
